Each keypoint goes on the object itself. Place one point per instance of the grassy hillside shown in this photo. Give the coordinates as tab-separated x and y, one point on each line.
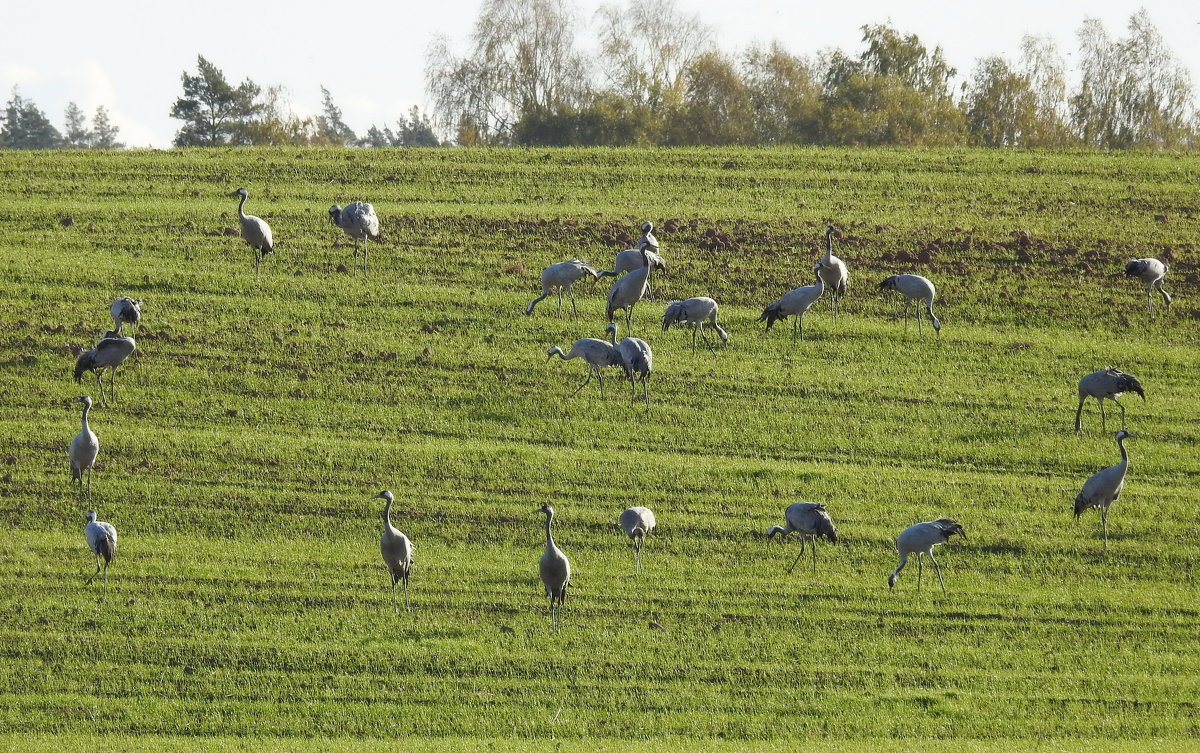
250	435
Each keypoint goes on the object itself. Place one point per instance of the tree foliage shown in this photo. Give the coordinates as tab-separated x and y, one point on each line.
27	127
213	111
331	128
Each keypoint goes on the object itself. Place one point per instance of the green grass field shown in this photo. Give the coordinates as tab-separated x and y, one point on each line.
248	605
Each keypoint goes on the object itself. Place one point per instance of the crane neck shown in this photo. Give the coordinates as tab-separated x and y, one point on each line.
828	245
387	515
549	536
87	408
1124	452
242	203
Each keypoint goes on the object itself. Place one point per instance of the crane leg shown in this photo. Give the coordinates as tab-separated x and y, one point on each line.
646	389
600	377
814	552
1150	301
1103	421
637	558
918	313
365	275
407	606
798	556
1122	407
560	303
93	575
104	578
257	261
707	342
800	325
395	606
629	320
649	292
920	562
1104	522
585	382
794	320
938	569
100	384
574	310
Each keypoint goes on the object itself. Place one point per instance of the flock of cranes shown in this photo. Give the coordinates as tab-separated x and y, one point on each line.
633	269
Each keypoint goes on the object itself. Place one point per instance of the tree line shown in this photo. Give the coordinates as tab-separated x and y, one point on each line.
658	78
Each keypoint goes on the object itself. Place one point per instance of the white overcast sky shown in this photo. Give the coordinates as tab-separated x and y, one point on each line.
128	55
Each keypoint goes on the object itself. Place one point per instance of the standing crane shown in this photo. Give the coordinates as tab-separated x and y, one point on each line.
255	231
810	520
1104	486
795	303
397	551
919	290
84	448
1106	384
920	539
598	354
630	289
559	277
833	272
694	312
102	540
636	522
109	353
631	258
636	358
126	310
1152	273
554	568
359	221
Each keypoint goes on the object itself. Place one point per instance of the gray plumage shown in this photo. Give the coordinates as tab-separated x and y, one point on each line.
1104	486
1106	384
84	448
919	290
1152	273
833	272
359	221
636	359
795	303
695	312
629	289
562	276
636	522
109	353
810	520
631	259
397	551
125	310
102	540
598	354
920	539
255	231
554	569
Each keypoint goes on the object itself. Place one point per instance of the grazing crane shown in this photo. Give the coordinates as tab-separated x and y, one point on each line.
631	288
811	520
636	522
597	353
255	231
397	551
833	272
359	221
554	568
84	448
694	312
125	310
636	358
917	289
1108	383
102	540
795	303
1103	487
560	277
920	539
109	353
1151	272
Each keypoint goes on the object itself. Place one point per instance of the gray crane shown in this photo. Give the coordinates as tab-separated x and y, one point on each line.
1106	384
102	540
833	271
125	310
695	312
630	289
562	276
920	539
84	448
255	231
795	303
810	520
1104	486
109	353
359	221
631	258
636	522
554	568
397	551
636	358
598	355
1152	273
919	290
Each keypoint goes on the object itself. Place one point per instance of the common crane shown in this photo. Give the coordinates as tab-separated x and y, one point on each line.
1106	384
795	303
1104	486
125	310
695	312
919	290
810	520
1152	273
255	231
636	522
833	271
629	289
631	258
109	353
397	551
554	568
636	358
920	539
359	221
83	449
102	540
562	276
598	354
